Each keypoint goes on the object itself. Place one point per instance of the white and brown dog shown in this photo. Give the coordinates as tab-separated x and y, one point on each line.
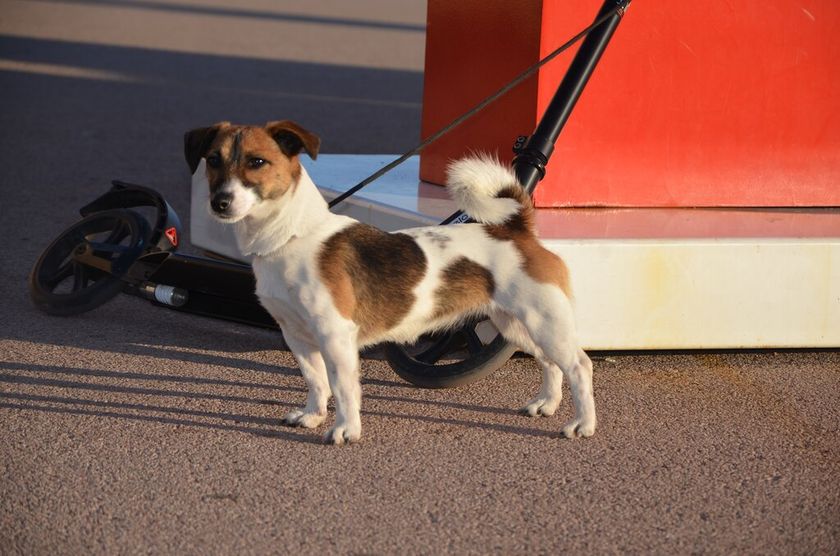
335	285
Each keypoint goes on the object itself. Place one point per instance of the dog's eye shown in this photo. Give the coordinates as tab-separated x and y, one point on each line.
255	163
214	160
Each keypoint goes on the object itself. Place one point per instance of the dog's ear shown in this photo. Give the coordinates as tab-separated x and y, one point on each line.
292	138
197	142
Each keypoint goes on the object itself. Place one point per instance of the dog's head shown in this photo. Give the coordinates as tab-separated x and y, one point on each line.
247	165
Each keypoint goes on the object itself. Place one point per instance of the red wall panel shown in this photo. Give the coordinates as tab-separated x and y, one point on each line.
694	104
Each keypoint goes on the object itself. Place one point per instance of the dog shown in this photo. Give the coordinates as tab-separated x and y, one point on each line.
336	285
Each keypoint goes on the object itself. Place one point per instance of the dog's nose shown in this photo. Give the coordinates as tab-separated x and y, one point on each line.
221	202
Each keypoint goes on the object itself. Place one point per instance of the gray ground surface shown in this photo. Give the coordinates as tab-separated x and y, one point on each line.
136	429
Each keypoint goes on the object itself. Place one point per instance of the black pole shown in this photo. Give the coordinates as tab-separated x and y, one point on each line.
532	154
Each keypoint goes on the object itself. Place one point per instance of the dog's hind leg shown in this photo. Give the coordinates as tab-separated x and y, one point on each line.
546	314
550	394
552	328
580	380
548	399
314	372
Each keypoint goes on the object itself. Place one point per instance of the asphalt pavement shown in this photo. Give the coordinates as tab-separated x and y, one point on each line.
135	429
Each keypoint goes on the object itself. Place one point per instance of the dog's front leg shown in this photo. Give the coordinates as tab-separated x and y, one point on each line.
314	372
341	354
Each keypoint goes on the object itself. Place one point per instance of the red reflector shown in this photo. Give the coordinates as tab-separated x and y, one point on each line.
172	236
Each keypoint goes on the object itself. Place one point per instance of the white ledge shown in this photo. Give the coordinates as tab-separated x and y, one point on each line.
643	278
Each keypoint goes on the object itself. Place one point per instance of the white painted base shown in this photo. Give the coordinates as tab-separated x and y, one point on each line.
643	278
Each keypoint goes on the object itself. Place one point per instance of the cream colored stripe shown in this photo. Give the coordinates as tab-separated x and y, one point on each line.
56	70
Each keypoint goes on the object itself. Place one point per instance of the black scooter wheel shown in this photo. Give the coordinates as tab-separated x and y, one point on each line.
452	359
61	285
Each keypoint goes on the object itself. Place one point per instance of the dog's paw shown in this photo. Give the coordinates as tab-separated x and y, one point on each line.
343	434
301	418
579	427
541	405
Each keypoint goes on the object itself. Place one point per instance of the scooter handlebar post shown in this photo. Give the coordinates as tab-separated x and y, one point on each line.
532	155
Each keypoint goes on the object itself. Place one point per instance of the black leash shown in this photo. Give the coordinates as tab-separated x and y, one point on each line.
620	7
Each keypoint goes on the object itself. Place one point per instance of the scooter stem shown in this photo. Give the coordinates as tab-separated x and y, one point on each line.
532	153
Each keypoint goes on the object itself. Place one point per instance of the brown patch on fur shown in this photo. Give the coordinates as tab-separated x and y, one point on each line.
522	221
538	262
466	286
197	143
273	179
542	265
278	144
371	275
292	138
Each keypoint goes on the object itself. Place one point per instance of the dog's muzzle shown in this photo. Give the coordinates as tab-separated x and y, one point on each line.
221	202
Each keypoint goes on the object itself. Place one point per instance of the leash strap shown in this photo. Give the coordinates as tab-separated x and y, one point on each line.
621	6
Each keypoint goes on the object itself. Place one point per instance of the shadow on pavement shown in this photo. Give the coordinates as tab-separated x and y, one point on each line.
271	433
78	115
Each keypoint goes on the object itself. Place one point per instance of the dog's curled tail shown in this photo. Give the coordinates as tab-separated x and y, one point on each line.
489	192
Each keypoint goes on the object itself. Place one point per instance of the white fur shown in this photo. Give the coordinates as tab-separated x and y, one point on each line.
286	235
473	183
242	201
273	223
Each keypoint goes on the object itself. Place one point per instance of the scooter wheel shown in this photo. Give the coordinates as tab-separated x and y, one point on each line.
61	285
451	359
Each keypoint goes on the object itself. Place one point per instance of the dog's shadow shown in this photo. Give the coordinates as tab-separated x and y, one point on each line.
29	387
43	378
228	349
